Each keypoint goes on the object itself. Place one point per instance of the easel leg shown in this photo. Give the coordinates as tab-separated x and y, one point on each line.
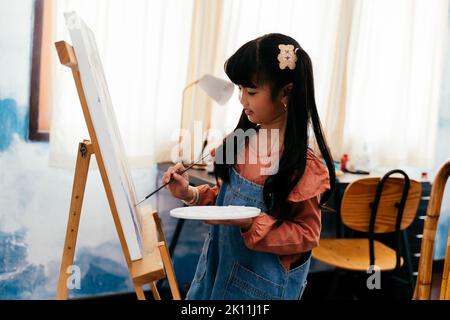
155	292
139	292
81	171
169	271
165	255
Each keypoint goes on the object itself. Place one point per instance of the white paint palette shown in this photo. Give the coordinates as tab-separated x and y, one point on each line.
215	212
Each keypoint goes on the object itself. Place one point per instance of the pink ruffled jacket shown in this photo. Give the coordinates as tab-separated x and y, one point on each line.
292	238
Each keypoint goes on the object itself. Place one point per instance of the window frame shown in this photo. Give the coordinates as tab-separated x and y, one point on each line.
34	131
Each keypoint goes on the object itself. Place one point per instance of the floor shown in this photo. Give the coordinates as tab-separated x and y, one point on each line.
349	287
353	287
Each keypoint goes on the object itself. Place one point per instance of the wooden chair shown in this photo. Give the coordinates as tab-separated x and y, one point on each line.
423	285
374	206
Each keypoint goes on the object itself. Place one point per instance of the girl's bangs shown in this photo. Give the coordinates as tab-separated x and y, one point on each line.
241	67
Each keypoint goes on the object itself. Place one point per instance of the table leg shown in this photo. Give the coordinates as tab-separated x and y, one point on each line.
176	235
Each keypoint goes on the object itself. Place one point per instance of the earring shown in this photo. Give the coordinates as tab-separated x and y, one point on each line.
285	106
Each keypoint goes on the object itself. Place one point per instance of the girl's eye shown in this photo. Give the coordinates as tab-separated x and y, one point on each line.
250	93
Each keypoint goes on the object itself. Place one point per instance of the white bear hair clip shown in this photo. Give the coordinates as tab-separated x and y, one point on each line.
287	56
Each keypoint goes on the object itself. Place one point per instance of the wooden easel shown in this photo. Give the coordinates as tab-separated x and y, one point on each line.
155	263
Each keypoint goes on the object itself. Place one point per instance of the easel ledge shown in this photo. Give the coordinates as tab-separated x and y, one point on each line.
156	262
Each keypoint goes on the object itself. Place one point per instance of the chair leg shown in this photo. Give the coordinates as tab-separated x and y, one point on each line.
331	295
337	276
408	262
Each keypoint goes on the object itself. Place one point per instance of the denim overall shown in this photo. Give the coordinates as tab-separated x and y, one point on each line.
228	270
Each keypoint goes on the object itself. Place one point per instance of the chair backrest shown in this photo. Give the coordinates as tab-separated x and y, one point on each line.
423	283
356	207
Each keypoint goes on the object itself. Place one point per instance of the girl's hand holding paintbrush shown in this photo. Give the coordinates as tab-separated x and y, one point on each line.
169	177
179	187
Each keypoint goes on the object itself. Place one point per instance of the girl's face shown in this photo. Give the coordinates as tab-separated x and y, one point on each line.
259	106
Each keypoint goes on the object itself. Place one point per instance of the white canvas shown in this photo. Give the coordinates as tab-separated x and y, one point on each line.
107	131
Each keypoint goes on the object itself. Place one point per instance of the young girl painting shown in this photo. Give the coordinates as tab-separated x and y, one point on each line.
266	257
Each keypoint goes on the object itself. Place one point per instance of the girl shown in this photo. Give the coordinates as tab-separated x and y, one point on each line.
266	257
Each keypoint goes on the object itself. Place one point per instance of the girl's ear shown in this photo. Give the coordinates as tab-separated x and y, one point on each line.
285	92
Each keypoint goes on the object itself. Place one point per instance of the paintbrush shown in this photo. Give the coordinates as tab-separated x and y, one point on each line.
171	179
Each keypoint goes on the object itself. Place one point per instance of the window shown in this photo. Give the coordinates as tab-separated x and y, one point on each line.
40	87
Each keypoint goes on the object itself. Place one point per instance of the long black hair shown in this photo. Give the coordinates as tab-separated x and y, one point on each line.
256	64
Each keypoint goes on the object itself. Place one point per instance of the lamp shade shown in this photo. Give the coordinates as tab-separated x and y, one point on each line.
218	89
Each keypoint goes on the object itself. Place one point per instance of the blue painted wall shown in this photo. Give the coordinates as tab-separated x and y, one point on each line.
11	122
34	198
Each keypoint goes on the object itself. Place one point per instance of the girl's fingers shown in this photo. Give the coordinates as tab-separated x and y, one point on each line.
173	174
178	167
168	174
212	222
179	178
167	178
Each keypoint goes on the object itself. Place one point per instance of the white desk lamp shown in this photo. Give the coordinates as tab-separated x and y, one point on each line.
217	89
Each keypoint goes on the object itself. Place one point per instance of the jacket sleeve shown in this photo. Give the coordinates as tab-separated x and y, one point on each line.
292	237
303	232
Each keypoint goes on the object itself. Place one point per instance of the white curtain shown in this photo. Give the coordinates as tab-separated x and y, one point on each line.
394	74
144	47
377	68
312	23
203	58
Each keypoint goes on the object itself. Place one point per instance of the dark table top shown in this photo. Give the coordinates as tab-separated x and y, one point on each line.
198	177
